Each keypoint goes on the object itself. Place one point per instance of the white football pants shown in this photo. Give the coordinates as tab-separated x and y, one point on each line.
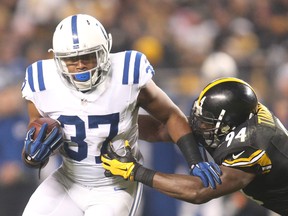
58	196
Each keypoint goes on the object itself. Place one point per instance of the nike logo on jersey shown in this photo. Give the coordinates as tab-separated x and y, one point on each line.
237	155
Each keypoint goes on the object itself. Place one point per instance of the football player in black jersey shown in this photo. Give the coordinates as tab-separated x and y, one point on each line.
248	142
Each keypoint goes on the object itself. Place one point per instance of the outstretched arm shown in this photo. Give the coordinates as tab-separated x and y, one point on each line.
191	189
183	187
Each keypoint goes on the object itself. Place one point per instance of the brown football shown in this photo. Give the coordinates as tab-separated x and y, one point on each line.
40	121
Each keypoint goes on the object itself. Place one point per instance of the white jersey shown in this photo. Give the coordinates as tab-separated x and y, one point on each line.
91	120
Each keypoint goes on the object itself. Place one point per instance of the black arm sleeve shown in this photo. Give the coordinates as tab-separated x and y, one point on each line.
189	149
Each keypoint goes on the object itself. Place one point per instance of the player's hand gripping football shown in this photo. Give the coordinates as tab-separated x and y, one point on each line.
125	166
36	152
209	172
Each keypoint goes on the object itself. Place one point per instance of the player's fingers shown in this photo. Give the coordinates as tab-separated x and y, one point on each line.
214	175
216	168
196	171
211	174
42	132
57	142
204	179
106	166
53	134
211	180
52	137
30	133
105	159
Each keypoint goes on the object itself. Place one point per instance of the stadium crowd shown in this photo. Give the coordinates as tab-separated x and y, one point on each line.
188	42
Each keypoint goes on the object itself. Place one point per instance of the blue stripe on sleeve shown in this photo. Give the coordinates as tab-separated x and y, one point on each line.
30	78
137	68
40	76
74	30
126	67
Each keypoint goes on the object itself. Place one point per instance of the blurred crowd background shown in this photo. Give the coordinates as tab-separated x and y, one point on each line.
189	43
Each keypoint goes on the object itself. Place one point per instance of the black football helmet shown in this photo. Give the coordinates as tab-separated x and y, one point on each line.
223	104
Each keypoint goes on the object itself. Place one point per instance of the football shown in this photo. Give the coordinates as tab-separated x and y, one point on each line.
40	121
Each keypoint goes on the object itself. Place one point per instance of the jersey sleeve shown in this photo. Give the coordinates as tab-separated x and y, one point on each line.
27	89
137	70
255	160
39	77
35	82
147	70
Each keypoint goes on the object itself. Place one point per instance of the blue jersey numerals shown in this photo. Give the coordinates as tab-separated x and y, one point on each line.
93	122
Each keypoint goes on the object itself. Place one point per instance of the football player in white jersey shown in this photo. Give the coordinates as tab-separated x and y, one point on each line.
95	95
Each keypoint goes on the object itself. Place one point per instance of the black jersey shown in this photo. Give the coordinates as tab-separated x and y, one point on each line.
260	145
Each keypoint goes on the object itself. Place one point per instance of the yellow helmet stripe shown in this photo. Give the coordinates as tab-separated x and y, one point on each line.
218	81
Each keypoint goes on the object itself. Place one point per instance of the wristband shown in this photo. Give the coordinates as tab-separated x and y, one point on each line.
144	176
189	149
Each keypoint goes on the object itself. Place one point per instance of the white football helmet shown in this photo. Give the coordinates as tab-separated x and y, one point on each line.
79	35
